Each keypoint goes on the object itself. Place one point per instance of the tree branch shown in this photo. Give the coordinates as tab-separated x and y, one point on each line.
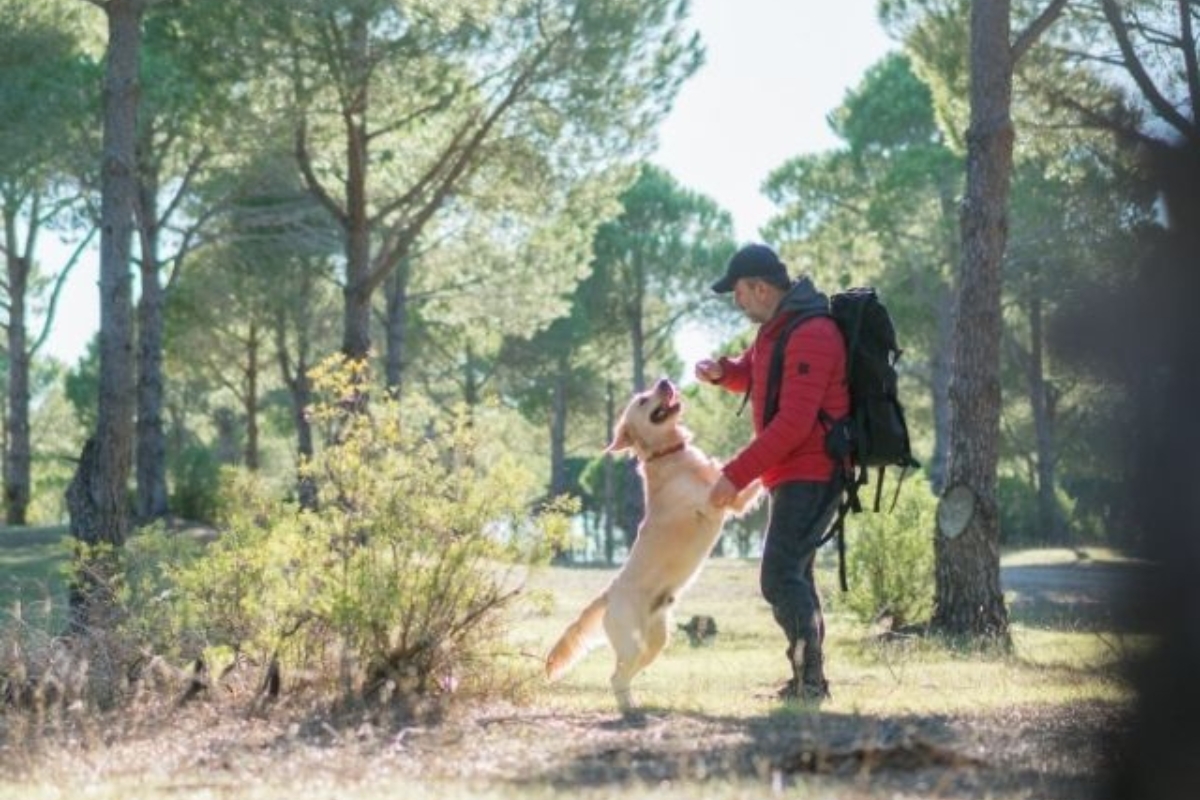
1189	52
402	237
1141	77
193	168
304	160
1105	122
441	104
414	192
1036	28
1082	56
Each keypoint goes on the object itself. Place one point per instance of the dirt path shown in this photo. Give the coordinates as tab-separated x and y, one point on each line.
1083	594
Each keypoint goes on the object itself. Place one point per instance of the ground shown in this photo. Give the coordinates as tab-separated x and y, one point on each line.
216	749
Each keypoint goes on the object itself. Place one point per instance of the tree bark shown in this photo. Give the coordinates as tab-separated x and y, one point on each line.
356	338
250	398
295	376
610	483
558	435
114	425
18	449
1044	403
397	327
558	441
968	597
97	499
151	451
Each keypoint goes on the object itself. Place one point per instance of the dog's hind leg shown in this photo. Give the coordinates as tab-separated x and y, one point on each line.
620	680
628	641
657	629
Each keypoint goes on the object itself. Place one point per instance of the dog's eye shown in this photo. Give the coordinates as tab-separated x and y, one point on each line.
642	402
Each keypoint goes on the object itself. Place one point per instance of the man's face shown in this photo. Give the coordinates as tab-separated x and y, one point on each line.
755	299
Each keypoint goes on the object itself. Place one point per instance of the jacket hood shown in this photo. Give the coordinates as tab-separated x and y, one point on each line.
803	297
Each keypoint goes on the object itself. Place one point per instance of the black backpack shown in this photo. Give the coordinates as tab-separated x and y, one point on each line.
875	433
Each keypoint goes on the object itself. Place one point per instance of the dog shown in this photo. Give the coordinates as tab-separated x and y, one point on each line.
676	534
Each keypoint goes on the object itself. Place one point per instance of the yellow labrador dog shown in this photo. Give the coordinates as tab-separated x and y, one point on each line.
675	536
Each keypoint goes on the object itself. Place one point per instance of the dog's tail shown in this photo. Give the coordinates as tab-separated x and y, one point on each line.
577	639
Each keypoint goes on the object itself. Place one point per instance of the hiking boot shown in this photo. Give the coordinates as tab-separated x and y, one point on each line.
804	693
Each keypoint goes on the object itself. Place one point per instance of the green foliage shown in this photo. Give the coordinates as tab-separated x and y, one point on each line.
890	558
397	580
890	108
152	560
935	34
82	385
195	483
1020	523
46	79
654	261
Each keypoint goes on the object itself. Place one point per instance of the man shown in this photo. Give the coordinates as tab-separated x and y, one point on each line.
788	453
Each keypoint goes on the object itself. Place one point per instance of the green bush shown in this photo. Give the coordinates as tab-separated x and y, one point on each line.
396	581
195	483
890	558
1020	521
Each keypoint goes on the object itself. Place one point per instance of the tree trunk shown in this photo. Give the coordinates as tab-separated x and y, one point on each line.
968	598
397	327
1044	404
250	399
151	457
558	436
114	425
356	343
356	321
637	335
18	449
558	442
295	377
610	483
97	494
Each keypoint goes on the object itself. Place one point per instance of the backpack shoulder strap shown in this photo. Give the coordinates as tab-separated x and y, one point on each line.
778	355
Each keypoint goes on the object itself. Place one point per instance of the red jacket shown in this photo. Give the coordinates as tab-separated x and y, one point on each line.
792	447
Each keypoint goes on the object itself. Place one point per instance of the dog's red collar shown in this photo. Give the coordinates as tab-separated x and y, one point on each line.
661	453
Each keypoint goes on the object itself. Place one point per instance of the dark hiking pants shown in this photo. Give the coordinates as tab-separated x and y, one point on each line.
800	514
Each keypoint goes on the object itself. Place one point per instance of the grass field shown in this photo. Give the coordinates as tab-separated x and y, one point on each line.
908	718
31	563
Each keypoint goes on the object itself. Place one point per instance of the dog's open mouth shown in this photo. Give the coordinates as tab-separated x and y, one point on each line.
668	403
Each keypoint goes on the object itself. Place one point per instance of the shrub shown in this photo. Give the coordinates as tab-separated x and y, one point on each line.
195	474
890	558
396	581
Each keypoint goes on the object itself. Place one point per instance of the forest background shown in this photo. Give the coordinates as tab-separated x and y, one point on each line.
484	219
375	277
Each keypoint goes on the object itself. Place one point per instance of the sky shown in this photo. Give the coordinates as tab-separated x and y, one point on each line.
773	70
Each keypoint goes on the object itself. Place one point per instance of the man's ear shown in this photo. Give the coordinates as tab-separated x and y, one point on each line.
621	441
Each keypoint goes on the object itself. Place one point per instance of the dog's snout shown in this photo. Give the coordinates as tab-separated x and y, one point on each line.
664	385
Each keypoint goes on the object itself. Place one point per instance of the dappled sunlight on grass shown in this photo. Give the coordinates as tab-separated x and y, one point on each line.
1041	556
739	671
712	727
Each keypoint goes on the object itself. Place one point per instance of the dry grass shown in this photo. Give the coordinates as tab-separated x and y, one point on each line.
909	718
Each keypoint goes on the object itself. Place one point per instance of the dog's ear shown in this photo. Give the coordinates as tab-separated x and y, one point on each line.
621	441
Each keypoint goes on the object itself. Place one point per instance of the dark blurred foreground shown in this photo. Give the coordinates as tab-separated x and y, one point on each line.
1145	337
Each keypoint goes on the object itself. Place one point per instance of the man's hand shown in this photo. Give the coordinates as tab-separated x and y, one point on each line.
709	371
722	492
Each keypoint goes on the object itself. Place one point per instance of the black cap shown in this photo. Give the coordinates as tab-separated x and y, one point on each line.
753	261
